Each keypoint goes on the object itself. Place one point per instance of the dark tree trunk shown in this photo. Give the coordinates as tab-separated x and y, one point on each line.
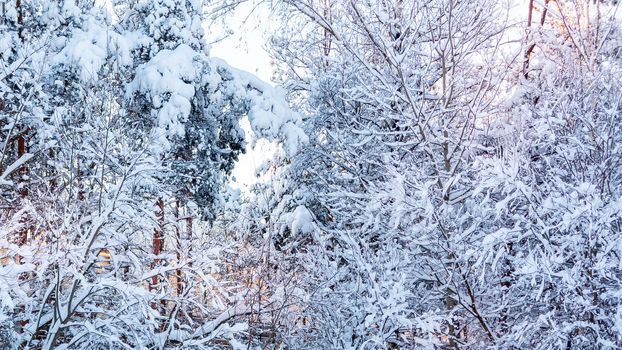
158	240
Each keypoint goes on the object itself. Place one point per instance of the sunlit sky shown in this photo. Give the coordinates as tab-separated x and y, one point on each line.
244	49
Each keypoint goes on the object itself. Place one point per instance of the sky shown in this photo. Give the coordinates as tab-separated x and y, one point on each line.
244	49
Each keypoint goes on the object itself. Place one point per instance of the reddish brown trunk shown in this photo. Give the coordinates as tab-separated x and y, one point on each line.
158	240
23	170
53	183
532	46
189	241
22	233
1	123
189	247
178	243
506	283
20	20
80	182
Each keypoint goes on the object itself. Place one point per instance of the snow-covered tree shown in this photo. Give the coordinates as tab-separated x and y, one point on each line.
554	185
446	175
118	133
414	109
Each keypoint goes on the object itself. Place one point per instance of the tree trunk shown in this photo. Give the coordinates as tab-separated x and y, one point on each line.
532	46
158	241
20	19
178	244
